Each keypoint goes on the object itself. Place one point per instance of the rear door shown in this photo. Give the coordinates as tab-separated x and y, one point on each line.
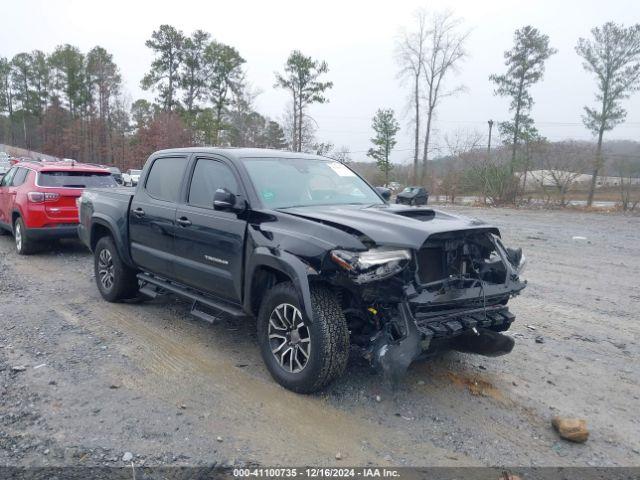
209	243
152	215
6	197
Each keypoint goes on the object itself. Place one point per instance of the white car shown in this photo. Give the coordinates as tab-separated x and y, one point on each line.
130	178
5	164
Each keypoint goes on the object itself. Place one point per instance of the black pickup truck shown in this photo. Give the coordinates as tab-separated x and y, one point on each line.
310	249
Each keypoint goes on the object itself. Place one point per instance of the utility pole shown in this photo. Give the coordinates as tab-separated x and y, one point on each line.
485	174
490	122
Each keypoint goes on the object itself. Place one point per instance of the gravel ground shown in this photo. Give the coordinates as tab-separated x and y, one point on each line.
84	382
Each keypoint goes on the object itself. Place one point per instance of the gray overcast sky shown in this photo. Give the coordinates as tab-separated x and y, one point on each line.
357	40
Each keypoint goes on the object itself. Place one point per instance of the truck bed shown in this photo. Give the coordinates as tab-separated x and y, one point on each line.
107	206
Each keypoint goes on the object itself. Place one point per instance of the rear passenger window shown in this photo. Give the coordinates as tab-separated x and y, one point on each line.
19	177
6	180
165	177
76	179
208	176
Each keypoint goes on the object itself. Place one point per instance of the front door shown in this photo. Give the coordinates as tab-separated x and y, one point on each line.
209	243
152	215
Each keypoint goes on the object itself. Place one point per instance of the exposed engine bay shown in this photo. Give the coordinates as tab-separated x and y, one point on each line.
449	294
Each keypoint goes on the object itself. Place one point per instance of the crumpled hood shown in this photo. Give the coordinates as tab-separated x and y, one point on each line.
391	224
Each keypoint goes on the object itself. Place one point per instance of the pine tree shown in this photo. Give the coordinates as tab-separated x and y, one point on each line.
301	78
225	78
386	127
167	44
193	70
525	67
613	55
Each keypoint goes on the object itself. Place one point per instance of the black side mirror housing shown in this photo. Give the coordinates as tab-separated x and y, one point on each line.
224	200
384	193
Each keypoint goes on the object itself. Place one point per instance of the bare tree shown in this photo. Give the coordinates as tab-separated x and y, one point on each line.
629	173
343	155
445	50
463	140
614	56
460	143
290	124
564	163
411	50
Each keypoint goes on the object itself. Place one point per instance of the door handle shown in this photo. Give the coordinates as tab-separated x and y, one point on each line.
183	222
138	212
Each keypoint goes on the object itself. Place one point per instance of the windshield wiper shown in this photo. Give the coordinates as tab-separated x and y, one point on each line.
292	206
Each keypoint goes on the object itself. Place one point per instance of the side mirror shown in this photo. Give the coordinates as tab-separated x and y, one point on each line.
384	193
223	199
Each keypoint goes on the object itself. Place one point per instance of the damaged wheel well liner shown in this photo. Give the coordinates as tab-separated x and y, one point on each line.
264	278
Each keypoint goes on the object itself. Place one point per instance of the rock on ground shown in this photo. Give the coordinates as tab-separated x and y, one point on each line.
572	429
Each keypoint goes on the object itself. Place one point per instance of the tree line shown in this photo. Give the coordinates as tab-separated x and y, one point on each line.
65	103
430	52
71	104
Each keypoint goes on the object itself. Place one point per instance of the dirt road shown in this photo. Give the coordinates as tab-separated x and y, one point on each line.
102	380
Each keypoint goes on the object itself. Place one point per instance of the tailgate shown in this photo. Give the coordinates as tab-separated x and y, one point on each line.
64	209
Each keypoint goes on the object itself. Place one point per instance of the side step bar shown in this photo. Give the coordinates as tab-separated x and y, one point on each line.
190	294
197	312
150	291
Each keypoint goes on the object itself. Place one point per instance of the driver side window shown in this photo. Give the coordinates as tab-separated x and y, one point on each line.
208	176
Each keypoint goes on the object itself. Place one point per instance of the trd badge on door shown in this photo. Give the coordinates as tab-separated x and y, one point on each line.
216	260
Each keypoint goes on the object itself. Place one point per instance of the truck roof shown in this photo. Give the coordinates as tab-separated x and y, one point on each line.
240	153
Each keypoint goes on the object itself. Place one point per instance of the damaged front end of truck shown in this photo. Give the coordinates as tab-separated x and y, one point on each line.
449	292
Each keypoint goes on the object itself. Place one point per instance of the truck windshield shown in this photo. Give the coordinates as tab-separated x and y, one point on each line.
297	182
76	180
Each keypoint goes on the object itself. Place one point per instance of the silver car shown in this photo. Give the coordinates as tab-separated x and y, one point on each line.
5	165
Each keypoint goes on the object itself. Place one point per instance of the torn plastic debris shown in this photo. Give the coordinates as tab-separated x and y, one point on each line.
487	343
393	356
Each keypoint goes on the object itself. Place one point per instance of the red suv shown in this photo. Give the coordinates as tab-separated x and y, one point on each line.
38	200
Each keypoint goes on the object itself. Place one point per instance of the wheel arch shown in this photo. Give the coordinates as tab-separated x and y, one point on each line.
266	269
103	226
15	214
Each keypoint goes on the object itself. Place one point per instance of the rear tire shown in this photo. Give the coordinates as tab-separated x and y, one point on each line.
24	244
317	352
115	280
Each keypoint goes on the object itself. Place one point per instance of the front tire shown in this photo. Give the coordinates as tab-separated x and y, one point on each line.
116	281
302	355
24	244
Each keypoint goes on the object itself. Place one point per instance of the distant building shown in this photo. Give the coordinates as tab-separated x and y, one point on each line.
552	178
